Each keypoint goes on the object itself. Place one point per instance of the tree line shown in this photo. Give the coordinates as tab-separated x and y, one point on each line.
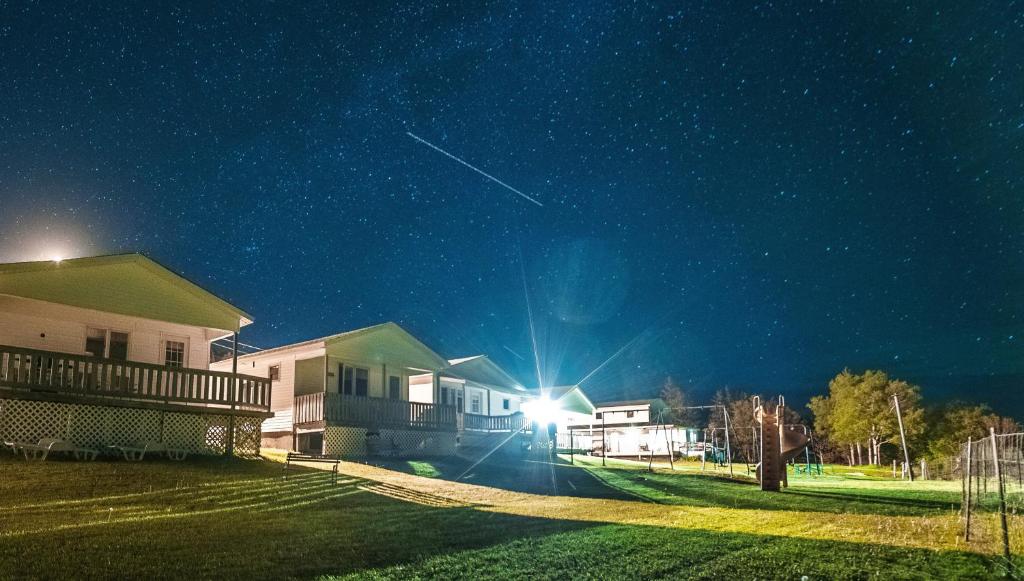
855	422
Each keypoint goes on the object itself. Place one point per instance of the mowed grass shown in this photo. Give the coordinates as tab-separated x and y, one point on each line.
533	518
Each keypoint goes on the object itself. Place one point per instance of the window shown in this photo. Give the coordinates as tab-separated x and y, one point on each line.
96	342
458	401
118	346
395	387
174	353
598	415
444	396
106	343
274	372
362	382
506	404
475	404
346	379
630	414
355	380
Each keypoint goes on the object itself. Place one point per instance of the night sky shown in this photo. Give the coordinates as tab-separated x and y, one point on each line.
752	196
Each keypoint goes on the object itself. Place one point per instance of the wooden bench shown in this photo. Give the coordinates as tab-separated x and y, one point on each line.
318	458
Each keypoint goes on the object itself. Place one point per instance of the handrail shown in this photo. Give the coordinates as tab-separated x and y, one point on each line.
50	371
372	412
480	422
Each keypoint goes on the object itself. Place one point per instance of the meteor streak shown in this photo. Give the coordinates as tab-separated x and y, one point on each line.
477	170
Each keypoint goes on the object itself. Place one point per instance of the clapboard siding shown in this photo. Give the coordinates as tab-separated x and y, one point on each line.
61	328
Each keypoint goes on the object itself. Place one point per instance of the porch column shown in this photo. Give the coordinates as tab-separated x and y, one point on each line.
437	386
229	449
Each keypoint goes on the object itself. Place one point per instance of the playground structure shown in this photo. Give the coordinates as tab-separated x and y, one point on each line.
778	445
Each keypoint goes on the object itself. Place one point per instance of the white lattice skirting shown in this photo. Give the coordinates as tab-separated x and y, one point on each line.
345	441
100	426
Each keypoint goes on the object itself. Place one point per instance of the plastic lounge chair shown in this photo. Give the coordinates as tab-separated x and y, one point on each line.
45	446
138	451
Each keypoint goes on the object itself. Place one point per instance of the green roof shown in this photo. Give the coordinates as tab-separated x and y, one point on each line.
480	369
125	284
385	340
569	397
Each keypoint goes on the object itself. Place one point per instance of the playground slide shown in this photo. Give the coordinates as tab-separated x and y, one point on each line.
793	443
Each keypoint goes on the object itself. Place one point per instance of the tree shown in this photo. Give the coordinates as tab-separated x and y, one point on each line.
952	424
859	411
675	400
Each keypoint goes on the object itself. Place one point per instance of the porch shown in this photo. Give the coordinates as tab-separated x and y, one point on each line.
32	374
319	410
483	423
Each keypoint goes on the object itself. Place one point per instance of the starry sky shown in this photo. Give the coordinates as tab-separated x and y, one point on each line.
745	195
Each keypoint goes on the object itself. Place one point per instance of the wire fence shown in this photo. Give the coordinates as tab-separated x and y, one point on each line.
992	485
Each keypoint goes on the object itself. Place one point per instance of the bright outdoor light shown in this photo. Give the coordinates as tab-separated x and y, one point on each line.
542	411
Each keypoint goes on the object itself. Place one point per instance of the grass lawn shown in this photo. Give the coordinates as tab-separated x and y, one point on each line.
538	518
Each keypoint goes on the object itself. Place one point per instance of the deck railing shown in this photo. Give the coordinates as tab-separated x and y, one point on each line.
372	412
33	370
482	423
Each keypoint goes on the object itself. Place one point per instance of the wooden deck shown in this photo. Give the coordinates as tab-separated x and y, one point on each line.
30	373
321	409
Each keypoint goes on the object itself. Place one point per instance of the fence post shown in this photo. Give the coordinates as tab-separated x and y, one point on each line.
967	496
1002	502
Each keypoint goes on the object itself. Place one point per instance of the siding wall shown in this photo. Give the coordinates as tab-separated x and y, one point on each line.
641	415
282	392
24	322
377	381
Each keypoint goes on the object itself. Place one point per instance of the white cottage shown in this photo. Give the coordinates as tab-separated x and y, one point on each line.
349	394
486	397
111	350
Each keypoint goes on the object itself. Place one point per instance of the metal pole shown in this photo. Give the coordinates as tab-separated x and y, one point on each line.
728	450
650	462
807	451
903	438
604	444
967	494
704	450
229	449
572	459
669	439
1002	502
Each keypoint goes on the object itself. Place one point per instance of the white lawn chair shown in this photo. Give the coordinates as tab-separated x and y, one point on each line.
47	445
138	451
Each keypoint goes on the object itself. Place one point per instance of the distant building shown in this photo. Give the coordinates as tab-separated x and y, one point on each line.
633	428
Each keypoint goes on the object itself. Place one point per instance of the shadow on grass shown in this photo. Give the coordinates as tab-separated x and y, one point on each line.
533	473
241	520
708	491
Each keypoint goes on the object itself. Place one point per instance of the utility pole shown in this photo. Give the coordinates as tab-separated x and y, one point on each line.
903	437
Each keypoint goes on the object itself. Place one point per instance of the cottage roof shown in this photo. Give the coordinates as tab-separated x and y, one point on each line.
126	284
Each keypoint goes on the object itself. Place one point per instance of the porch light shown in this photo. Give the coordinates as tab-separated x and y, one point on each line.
542	410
